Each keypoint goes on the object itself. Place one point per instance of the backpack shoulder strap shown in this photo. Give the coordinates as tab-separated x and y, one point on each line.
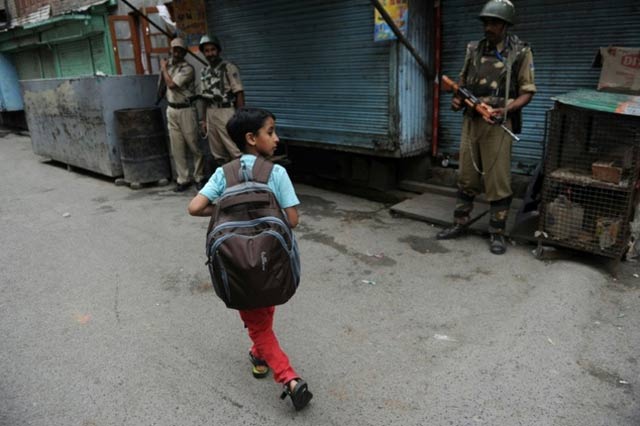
231	172
262	170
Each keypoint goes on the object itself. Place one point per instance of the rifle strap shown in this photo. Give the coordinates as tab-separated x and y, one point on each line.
508	64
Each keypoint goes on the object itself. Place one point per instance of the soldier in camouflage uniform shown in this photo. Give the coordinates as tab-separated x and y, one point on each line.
498	66
220	91
179	77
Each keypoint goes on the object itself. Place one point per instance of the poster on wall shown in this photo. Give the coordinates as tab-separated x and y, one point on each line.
399	12
191	20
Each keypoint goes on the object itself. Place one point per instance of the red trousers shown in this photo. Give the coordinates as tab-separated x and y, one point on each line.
259	322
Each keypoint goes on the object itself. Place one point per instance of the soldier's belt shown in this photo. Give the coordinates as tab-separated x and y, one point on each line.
179	106
215	104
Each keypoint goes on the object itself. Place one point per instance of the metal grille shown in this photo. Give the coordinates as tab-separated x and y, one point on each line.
591	169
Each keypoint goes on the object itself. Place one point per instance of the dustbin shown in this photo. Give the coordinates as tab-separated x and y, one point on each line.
143	146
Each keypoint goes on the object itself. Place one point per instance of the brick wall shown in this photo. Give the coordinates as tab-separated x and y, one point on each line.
25	7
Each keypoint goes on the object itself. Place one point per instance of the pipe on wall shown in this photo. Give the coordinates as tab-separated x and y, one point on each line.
436	82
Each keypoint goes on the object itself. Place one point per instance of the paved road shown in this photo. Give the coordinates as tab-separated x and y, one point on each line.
107	318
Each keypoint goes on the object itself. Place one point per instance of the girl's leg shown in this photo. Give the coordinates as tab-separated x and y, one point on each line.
259	322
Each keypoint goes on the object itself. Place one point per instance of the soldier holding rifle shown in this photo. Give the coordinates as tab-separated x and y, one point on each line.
498	70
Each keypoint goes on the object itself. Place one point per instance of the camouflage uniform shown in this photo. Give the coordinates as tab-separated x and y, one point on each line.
219	84
182	122
486	145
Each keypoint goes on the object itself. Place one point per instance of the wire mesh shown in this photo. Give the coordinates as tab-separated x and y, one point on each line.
591	169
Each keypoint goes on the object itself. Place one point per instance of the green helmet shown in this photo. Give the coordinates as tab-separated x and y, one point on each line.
207	39
500	9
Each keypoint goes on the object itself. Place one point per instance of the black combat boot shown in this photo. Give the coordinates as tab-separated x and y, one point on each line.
497	244
453	231
181	187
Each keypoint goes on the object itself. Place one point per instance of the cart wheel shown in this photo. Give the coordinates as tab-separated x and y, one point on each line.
120	182
163	182
135	185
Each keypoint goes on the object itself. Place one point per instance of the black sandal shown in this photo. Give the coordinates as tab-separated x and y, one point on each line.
258	373
300	395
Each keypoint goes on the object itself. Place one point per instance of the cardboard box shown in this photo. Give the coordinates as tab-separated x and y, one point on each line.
620	69
606	171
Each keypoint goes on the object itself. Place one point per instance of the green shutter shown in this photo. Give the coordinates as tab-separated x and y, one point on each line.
27	64
48	63
98	53
75	58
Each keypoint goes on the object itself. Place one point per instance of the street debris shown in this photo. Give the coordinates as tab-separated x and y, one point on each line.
82	318
623	382
370	282
550	341
444	337
545	252
67	214
636	275
377	255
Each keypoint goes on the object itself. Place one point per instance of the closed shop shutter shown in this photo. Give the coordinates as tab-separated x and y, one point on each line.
313	63
98	54
75	58
27	64
564	36
47	62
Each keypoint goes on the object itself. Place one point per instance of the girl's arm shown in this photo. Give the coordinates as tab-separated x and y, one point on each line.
200	206
292	215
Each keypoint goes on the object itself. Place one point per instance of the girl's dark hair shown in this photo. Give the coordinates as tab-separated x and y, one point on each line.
246	120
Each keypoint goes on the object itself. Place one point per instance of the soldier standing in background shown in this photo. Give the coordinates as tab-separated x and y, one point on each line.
179	77
498	67
220	91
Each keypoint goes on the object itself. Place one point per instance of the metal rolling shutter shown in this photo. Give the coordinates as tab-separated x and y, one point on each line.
75	58
313	63
564	34
27	64
98	54
47	62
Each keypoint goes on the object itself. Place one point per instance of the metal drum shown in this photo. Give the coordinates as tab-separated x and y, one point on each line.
143	145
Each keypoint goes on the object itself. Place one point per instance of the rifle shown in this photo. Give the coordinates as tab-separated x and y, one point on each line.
474	103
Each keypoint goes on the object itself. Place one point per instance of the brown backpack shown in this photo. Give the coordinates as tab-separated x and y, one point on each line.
252	253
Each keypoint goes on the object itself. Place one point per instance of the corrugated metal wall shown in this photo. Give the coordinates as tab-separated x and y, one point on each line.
10	99
414	91
27	64
34	63
99	54
564	34
78	58
75	58
313	63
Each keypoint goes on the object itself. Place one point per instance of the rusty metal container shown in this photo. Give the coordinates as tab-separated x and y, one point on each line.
71	120
143	145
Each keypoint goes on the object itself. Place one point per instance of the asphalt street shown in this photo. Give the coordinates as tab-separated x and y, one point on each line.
107	317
